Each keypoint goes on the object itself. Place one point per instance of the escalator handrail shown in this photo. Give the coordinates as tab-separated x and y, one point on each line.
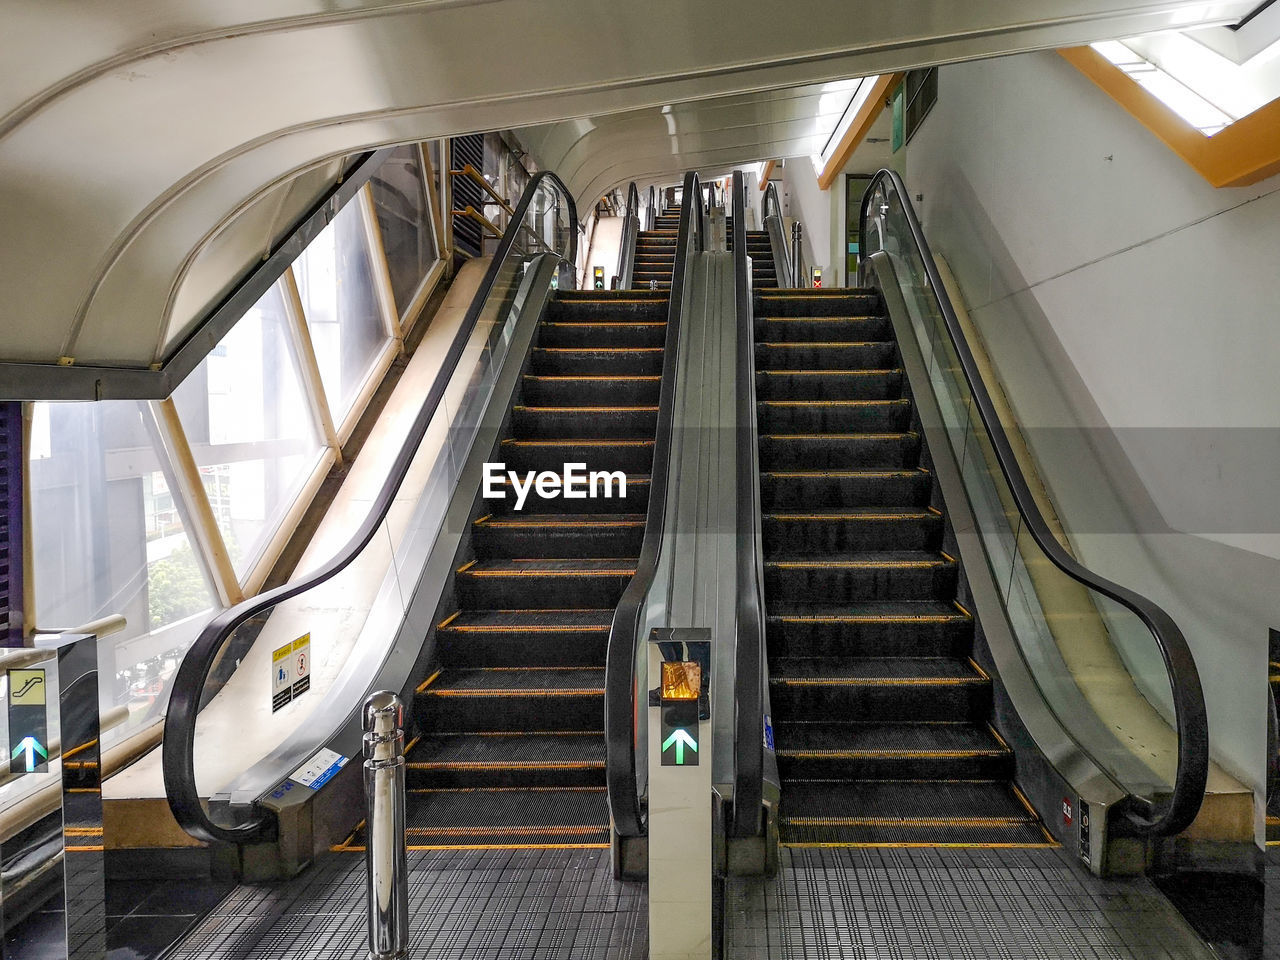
650	211
621	709
749	651
192	674
627	248
771	207
1184	678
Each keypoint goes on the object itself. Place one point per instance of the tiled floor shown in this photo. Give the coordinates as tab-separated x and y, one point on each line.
143	920
920	904
508	904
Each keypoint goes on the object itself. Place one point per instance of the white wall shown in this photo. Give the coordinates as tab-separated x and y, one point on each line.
1131	311
803	201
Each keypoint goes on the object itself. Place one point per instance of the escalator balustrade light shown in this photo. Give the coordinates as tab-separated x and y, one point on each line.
681	680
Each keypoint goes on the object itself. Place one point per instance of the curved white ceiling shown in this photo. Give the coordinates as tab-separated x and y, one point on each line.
151	150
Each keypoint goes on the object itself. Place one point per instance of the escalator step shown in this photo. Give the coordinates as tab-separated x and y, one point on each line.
635	500
591	390
507	759
846	529
878	688
787	451
639	307
826	329
859	578
629	456
531	535
512	700
894	811
838	488
544	584
876	750
570	816
525	638
826	355
543	423
603	361
602	335
828	384
819	303
833	416
923	629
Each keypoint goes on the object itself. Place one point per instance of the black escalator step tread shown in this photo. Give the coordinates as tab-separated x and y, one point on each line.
568	422
507	759
927	812
832	416
545	583
524	638
531	535
877	750
877	688
591	389
853	578
818	303
828	384
825	355
874	671
821	329
924	629
602	334
611	499
586	307
782	451
602	361
497	816
843	529
781	489
512	700
629	456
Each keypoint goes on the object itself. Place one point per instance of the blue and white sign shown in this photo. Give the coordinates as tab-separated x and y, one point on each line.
320	769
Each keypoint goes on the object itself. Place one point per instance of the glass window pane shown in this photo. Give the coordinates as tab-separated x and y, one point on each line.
250	428
335	279
110	539
404	220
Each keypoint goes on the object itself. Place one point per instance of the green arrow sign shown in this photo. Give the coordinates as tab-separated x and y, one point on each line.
680	738
30	746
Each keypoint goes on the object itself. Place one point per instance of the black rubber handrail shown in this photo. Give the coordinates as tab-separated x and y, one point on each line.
627	248
650	210
189	681
622	708
1184	679
749	653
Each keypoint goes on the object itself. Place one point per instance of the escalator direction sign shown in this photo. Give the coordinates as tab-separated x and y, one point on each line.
290	671
28	723
597	277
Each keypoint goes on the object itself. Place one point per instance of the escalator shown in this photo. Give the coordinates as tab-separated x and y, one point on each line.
764	272
656	252
882	717
512	709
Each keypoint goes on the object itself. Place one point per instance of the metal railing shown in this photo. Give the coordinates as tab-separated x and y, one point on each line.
750	669
622	692
553	221
889	224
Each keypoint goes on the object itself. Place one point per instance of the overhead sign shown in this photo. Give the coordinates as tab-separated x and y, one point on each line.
28	722
290	671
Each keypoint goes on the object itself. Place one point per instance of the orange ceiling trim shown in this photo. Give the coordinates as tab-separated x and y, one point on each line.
1243	153
858	129
768	172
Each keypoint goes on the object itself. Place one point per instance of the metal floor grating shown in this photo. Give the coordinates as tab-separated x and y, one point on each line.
931	904
472	904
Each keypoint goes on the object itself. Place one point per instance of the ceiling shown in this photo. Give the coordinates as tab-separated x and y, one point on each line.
153	151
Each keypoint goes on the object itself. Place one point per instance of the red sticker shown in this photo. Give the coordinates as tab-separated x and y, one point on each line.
1066	811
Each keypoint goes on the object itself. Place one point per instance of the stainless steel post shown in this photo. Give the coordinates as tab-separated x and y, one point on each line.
797	261
385	857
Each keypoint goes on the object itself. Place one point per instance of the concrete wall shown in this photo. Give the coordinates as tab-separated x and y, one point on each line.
1131	311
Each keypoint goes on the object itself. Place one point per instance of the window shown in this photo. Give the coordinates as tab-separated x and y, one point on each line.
335	280
250	429
921	92
110	539
404	220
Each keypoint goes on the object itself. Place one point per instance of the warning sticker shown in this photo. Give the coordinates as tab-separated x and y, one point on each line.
290	671
320	769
